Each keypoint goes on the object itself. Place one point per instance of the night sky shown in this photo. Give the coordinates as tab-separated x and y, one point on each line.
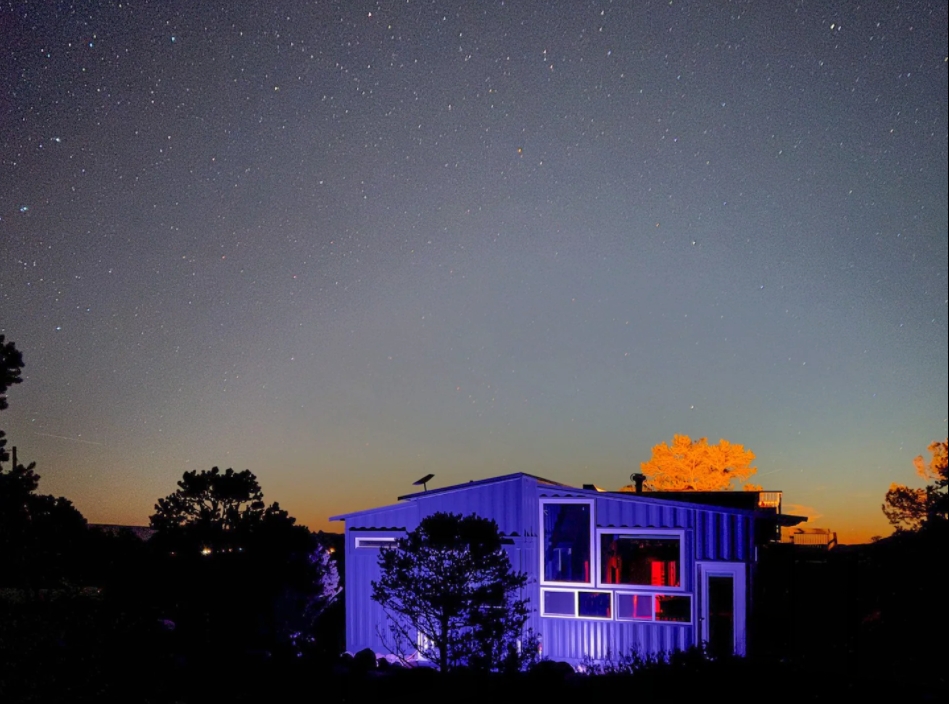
346	244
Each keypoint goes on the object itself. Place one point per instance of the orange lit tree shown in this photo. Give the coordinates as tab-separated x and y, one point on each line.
695	465
911	509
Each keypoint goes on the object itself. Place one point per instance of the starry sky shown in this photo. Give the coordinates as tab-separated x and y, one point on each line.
346	244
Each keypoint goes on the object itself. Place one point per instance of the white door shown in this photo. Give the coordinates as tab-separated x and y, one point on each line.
722	602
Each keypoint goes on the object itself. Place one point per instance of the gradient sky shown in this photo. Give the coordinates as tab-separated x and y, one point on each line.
345	244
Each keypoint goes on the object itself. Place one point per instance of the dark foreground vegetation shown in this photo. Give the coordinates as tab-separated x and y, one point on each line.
93	670
844	624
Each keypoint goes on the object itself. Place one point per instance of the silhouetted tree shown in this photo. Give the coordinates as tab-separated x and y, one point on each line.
911	509
451	582
213	506
694	465
40	535
11	366
237	569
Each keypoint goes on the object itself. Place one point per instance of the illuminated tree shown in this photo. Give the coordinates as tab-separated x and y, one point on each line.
450	582
694	465
912	509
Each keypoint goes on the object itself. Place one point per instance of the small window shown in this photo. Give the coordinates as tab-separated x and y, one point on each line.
375	542
634	607
424	646
675	608
595	604
559	603
641	560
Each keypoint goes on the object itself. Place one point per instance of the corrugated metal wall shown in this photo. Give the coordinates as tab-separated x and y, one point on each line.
723	536
501	501
363	615
574	639
630	512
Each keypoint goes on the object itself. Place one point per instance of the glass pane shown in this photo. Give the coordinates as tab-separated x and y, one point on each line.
559	603
634	606
567	543
721	617
643	560
375	542
674	608
595	604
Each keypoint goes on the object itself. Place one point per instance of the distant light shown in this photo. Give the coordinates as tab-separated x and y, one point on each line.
205	551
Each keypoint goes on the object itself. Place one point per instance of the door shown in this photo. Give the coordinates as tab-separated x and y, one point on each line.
722	607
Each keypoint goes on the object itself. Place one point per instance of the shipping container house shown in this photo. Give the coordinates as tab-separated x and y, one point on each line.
610	573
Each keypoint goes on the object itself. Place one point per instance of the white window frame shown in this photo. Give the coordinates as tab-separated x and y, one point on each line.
361	540
652	597
422	643
738	572
646	533
667	592
623	592
562	591
576	603
597	618
592	584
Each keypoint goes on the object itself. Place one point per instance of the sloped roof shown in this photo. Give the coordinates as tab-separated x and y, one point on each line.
682	499
482	482
446	489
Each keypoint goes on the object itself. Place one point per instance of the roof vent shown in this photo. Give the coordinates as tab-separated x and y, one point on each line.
638	479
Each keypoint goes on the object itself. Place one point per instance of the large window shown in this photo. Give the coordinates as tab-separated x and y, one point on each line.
567	533
640	559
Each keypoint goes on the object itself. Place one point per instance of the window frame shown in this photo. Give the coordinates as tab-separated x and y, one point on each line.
594	564
612	615
691	598
358	540
543	613
652	606
679	533
653	595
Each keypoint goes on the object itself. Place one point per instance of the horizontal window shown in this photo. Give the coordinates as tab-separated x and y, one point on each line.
634	607
675	608
665	608
375	542
559	603
595	604
628	606
640	560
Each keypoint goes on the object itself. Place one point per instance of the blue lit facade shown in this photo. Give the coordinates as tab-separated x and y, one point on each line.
609	573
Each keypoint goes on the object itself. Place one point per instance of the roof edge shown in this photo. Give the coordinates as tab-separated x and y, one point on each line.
481	482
